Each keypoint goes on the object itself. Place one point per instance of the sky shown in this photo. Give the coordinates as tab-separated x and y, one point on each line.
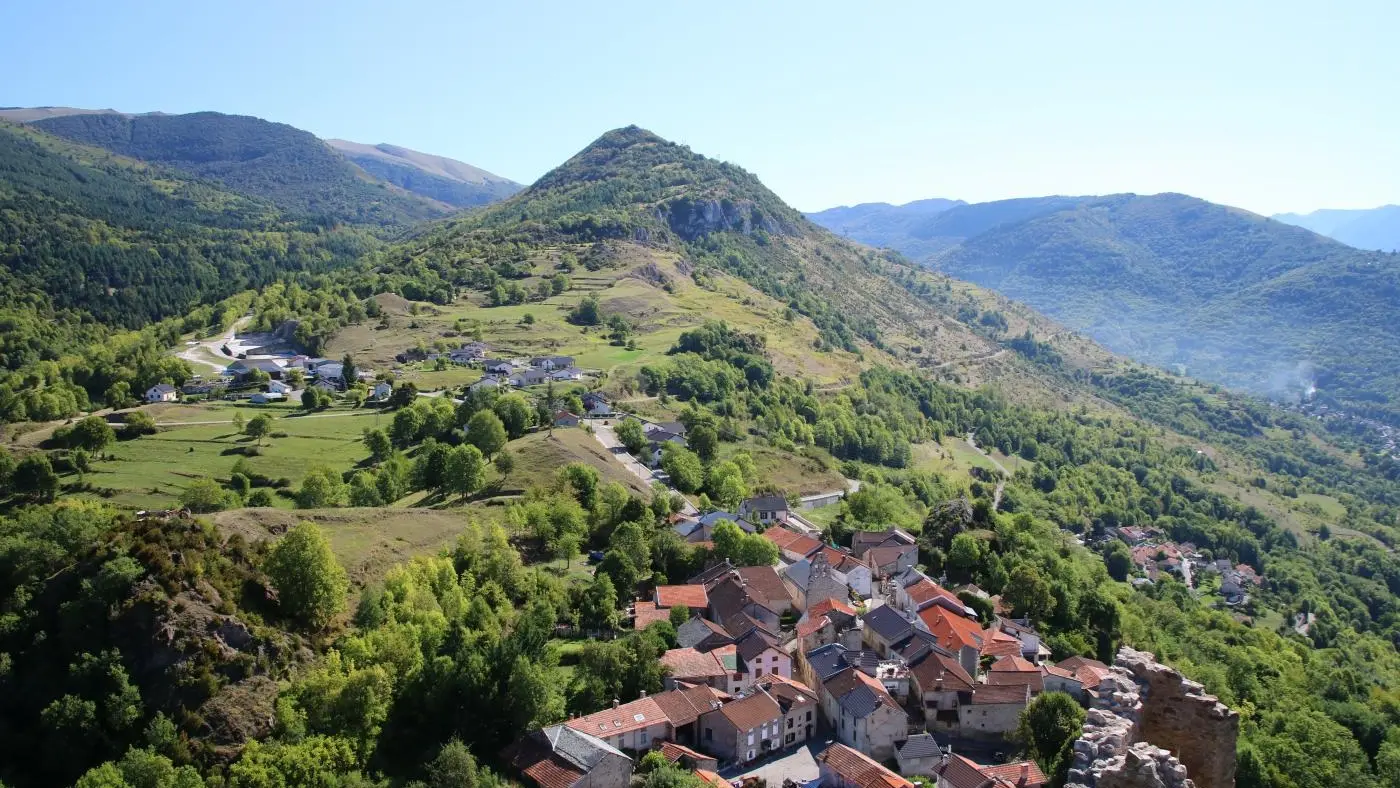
1270	106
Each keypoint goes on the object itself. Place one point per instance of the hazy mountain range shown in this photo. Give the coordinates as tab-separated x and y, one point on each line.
1174	281
1372	228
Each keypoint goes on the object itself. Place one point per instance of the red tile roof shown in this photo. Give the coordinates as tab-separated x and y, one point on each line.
752	711
826	605
647	614
1055	670
953	631
1035	681
859	770
764	583
674	752
1015	664
691	596
1090	672
687	663
553	772
881	556
1011	773
628	717
937	673
792	541
711	778
1000	693
996	643
959	772
926	592
683	706
811	625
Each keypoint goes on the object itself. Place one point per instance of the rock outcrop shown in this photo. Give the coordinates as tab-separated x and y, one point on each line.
1150	727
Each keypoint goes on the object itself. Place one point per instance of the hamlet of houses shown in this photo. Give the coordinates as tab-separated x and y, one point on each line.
1155	556
854	645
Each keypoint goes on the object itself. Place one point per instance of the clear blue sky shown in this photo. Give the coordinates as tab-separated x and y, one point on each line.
1271	106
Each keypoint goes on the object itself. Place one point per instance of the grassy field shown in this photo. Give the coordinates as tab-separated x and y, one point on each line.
646	287
1329	506
789	472
366	541
150	472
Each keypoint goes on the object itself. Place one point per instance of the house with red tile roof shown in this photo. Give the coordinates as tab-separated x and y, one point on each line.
628	726
766	587
955	771
683	707
693	597
996	643
645	613
844	767
702	634
695	667
960	636
1021	774
923	593
744	729
559	756
851	570
1090	672
889	560
1058	679
792	546
799	704
686	757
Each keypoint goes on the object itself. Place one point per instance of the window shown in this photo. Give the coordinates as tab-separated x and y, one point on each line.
750	740
758	672
789	723
809	715
791	737
709	734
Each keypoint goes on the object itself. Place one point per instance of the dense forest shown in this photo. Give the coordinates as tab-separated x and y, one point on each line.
288	167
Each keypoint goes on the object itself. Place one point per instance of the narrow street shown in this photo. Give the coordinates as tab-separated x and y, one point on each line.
608	438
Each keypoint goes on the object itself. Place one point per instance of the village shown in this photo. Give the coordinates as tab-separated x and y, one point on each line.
834	667
837	666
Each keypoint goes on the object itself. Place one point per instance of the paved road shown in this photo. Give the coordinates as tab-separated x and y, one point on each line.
608	438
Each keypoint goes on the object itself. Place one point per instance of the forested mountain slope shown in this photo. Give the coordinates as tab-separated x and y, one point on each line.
436	177
1171	280
291	168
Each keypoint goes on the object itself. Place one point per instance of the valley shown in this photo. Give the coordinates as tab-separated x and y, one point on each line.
346	581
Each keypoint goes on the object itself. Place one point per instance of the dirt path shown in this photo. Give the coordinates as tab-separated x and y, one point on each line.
278	418
193	354
971	440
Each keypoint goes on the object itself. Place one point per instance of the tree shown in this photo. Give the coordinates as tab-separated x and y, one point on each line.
685	469
726	484
1028	593
403	395
405	427
704	441
558	284
118	395
466	470
678	616
505	462
91	434
348	372
514	413
363	491
599	608
454	767
965	557
378	443
238	421
1119	560
315	398
205	495
258	427
260	497
486	432
629	432
310	583
1048	727
321	489
586	313
34	477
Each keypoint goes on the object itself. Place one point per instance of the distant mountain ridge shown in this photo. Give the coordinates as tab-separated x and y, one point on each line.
336	180
1179	282
880	223
1375	229
456	183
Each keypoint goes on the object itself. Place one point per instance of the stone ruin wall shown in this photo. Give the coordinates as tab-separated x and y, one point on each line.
1145	712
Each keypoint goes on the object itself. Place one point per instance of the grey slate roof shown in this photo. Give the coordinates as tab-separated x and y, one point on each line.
577	747
920	745
828	660
888	623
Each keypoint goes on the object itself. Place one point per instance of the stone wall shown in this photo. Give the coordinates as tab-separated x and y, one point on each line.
1142	708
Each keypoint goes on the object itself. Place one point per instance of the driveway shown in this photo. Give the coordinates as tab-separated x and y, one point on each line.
799	765
608	438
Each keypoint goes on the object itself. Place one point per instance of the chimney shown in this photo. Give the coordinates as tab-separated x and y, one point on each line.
1025	773
644	693
616	703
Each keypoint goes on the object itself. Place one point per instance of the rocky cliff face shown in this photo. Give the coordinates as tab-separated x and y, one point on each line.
1150	727
691	219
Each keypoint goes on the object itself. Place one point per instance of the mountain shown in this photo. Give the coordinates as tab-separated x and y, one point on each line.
1375	228
289	167
879	223
1178	282
435	177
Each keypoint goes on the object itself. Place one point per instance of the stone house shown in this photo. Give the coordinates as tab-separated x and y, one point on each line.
863	714
743	730
560	756
813	580
764	509
884	627
792	546
1057	679
993	711
960	636
629	726
889	560
919	755
941	686
702	634
761	654
850	570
